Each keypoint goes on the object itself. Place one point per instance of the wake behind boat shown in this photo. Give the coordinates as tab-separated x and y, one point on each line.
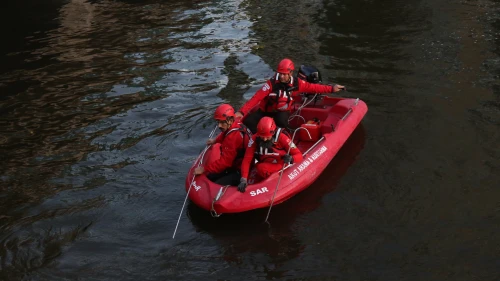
322	123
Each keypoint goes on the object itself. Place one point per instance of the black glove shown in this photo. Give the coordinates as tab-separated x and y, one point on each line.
287	158
243	184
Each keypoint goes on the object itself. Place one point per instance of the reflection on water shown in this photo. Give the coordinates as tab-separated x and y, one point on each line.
113	102
106	104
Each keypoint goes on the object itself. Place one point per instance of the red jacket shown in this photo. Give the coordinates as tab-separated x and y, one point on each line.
273	155
266	92
233	143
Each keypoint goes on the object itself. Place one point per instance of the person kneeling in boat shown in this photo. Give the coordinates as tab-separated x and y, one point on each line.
234	139
275	98
270	147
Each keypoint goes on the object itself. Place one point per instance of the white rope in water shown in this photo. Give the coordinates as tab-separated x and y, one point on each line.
192	180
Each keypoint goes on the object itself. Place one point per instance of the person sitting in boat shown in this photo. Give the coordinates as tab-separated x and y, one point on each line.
234	139
275	98
270	147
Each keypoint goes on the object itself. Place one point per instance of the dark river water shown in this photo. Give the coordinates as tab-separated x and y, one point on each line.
106	104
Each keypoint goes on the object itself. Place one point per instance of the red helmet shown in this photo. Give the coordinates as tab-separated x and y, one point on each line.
285	66
266	127
223	111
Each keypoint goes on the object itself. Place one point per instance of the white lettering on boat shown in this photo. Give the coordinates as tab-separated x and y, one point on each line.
293	174
317	153
304	165
307	162
259	191
196	187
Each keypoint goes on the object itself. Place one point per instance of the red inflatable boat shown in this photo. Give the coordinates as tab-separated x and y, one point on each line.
323	125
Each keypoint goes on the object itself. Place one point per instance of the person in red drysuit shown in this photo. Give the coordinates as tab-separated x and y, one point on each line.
270	147
275	98
233	139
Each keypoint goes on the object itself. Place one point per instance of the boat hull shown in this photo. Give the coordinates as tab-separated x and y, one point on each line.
338	119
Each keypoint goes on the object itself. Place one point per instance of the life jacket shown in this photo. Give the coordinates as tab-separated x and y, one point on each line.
246	134
272	154
280	97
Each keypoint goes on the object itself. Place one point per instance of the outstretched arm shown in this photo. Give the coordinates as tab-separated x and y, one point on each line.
306	87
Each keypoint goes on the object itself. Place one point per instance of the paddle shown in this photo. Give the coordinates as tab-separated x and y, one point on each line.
282	170
192	180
